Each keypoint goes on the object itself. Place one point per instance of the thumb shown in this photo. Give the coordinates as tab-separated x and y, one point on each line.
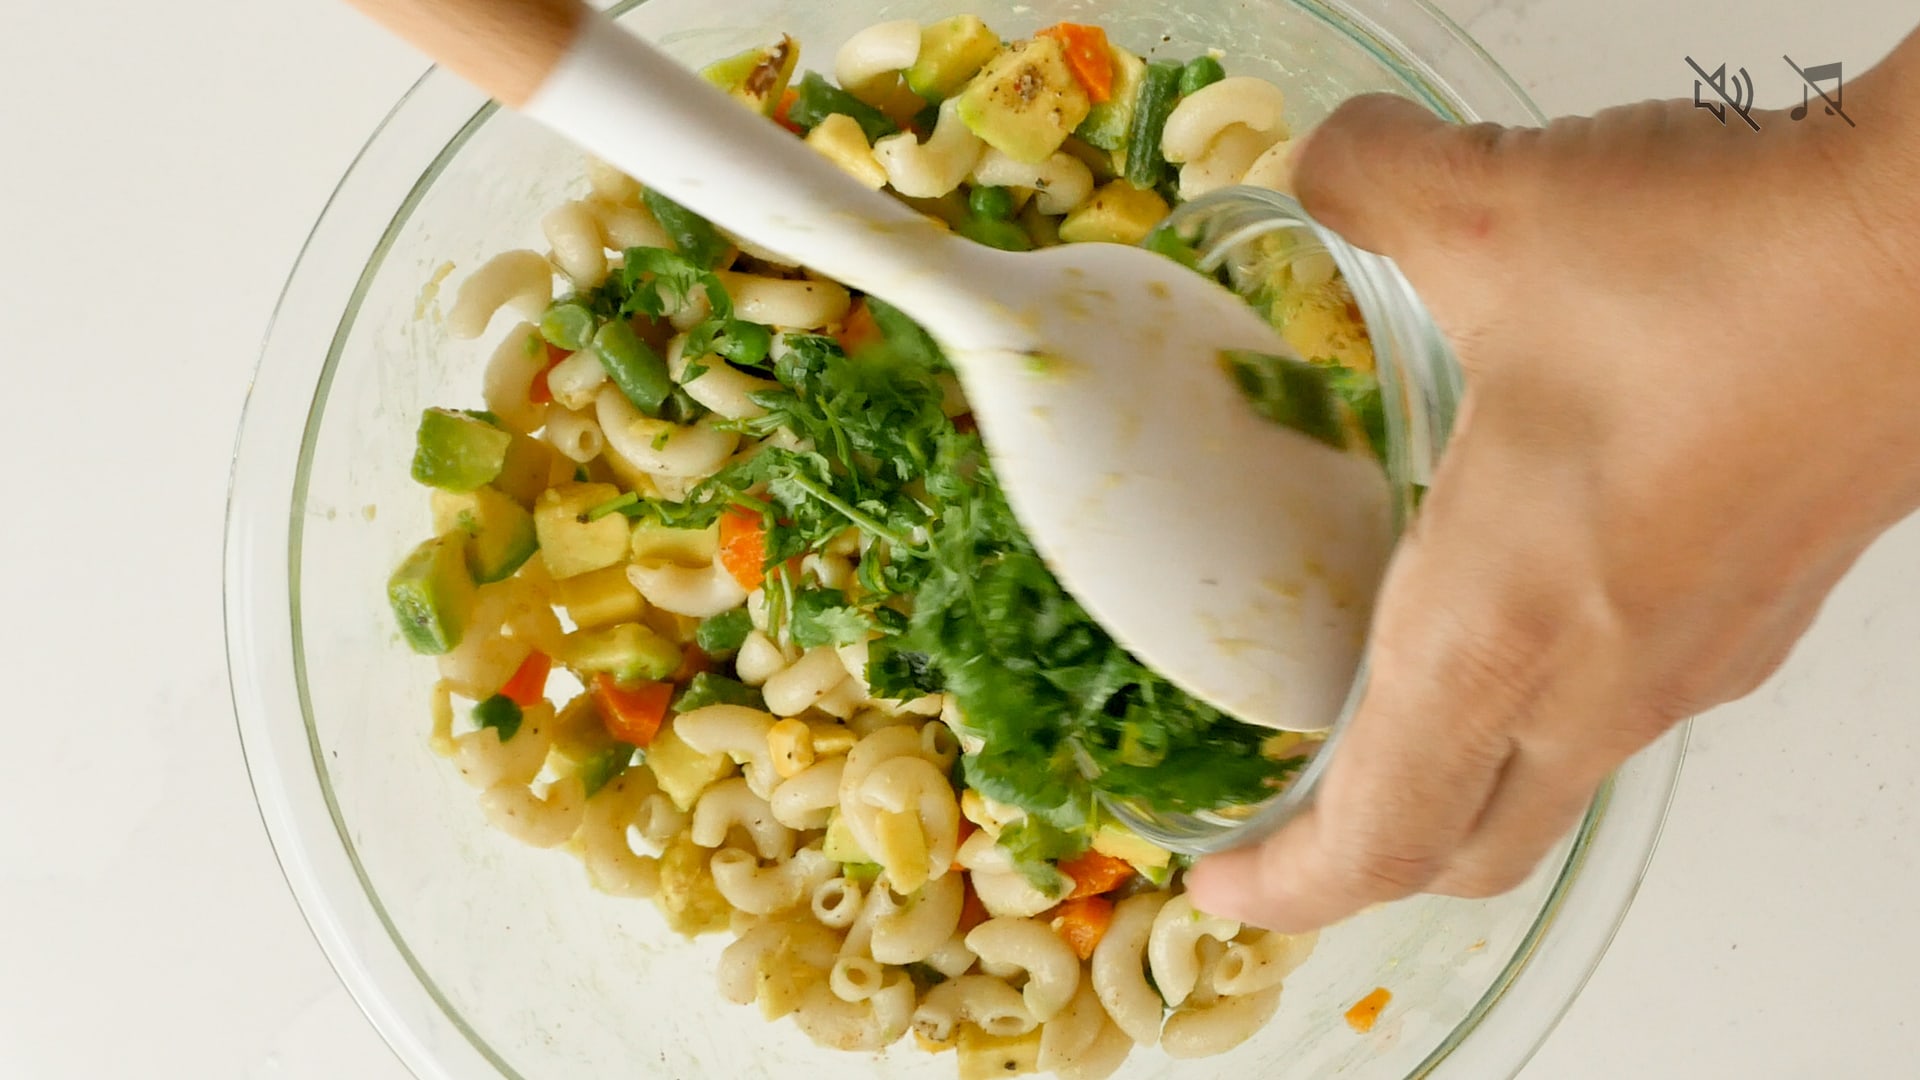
1386	174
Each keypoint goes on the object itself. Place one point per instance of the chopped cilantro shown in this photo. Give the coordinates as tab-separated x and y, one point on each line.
500	713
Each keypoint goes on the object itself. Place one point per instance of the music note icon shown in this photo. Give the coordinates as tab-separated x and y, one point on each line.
1813	76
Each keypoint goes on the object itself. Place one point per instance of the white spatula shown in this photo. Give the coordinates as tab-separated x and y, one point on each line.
1237	557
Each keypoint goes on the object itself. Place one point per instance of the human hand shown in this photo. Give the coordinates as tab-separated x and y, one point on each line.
1692	380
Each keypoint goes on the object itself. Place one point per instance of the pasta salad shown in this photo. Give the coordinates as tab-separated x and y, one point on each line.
726	600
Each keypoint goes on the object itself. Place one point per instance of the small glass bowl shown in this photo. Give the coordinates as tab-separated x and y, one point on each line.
1256	241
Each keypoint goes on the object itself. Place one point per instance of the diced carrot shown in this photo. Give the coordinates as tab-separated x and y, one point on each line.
1083	921
539	392
1094	873
1366	1011
693	661
858	330
783	112
528	686
743	547
972	911
1089	55
632	714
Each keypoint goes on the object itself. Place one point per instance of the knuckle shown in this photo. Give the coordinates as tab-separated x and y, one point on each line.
1482	883
1383	873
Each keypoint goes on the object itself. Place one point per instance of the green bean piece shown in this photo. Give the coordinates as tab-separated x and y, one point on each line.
1001	234
1200	73
1159	93
633	366
693	236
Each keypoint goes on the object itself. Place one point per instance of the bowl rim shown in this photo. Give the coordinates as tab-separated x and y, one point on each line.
288	773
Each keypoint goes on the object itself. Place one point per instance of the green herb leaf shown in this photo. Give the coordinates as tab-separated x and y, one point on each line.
723	633
500	713
825	617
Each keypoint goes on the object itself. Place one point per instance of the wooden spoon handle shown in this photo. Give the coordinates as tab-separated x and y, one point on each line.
505	47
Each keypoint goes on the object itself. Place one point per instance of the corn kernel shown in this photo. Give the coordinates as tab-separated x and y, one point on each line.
791	743
830	740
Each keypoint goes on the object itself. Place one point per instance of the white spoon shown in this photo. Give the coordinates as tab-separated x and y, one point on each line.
1237	557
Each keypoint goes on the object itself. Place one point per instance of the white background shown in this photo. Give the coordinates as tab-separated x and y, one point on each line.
159	165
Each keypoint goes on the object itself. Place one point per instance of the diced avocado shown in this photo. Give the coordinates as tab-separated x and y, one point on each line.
579	735
1117	842
500	533
525	472
758	77
951	52
706	689
840	846
598	770
456	451
1118	213
601	598
1026	102
839	139
688	897
683	772
629	652
432	594
861	873
989	1057
569	543
1107	123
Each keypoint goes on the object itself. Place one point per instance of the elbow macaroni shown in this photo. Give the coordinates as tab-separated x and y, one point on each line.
1261	963
575	434
537	820
738	732
725	389
1053	972
520	280
783	302
909	806
728	805
1119	973
1217	1028
507	385
1226	162
807	799
981	1000
1060	184
1202	117
936	167
696	592
661	447
612	864
909	931
573	232
1174	942
576	381
795	689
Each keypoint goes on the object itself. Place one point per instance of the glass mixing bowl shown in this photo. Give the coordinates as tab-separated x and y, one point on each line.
476	957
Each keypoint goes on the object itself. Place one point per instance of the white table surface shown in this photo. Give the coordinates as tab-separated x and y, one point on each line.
160	164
